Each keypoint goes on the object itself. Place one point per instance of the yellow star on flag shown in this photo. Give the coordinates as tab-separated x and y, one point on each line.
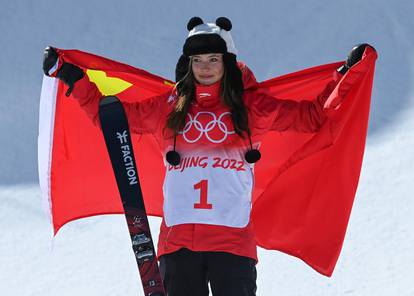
108	86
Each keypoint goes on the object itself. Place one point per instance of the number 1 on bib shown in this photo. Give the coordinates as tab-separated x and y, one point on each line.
203	186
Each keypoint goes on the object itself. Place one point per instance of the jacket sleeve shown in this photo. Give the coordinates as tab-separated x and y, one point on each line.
143	117
270	113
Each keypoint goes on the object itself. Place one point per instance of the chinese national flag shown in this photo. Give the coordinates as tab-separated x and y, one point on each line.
305	184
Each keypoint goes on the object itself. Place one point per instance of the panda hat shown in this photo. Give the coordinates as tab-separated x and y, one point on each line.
209	37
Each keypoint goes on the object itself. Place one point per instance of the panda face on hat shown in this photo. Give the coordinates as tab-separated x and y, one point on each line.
209	37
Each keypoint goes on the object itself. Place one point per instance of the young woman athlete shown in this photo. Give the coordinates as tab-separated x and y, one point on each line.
208	129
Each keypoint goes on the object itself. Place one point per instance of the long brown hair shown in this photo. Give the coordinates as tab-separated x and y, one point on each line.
231	96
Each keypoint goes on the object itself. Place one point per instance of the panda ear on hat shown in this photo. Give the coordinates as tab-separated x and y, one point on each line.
209	37
224	23
193	22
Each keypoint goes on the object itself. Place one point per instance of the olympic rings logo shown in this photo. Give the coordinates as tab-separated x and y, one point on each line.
206	128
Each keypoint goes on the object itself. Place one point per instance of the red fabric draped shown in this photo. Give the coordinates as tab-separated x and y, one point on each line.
305	184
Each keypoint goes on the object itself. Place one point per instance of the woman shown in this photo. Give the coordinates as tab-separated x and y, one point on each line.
208	129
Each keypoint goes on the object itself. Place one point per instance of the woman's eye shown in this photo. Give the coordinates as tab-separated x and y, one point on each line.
195	60
213	60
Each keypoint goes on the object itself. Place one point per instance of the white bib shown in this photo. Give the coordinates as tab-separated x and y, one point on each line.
208	189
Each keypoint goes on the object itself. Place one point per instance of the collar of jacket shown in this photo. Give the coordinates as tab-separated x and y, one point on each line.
208	95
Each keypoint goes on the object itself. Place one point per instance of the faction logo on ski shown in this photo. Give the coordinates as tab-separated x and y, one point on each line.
128	160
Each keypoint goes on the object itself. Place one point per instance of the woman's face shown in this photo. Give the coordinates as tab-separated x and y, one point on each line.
208	68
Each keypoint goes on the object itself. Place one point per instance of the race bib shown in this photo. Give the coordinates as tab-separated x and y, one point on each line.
208	189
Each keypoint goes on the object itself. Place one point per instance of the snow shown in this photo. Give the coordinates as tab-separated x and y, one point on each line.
93	256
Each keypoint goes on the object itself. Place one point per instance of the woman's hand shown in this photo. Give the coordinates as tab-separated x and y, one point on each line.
68	73
354	57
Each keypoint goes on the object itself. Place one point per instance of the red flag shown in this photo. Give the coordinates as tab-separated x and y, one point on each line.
304	185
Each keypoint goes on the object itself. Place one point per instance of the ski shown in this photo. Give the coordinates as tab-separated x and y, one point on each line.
119	145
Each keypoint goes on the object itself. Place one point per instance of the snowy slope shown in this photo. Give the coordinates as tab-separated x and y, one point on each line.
92	256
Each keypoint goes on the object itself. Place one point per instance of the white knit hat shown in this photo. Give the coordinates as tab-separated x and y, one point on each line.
209	37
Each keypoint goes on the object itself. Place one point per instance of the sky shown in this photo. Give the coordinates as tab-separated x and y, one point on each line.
92	256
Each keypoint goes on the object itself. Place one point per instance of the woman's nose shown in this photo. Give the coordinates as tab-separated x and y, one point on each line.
205	65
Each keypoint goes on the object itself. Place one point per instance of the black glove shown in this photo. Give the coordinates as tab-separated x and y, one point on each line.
50	58
354	57
181	68
68	73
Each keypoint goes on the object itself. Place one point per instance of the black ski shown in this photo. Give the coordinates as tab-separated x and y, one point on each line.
118	142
